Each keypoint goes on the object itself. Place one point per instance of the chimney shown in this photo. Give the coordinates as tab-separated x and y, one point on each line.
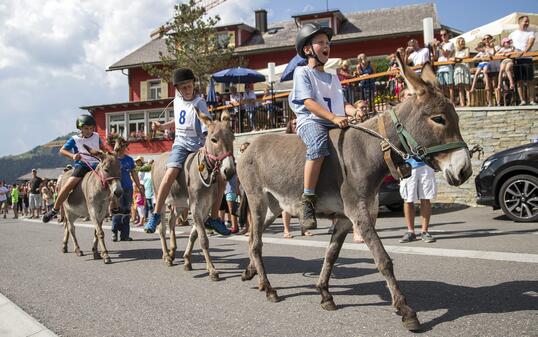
261	20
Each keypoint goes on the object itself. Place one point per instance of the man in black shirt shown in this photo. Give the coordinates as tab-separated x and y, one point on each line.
35	195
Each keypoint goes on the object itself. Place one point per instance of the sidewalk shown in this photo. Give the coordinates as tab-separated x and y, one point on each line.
14	322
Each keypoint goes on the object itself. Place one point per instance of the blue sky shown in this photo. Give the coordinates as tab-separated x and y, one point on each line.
54	53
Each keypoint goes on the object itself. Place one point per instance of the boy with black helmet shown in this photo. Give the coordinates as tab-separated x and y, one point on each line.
190	137
318	101
74	149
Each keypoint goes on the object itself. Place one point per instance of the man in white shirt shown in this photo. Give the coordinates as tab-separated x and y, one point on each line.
249	102
417	56
523	40
445	51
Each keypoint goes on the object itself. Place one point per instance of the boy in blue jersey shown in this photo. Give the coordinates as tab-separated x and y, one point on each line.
189	138
74	149
318	101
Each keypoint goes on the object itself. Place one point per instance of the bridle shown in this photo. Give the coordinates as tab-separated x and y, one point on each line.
104	180
212	163
411	146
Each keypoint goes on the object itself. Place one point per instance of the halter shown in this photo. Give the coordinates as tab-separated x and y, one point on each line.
212	163
104	181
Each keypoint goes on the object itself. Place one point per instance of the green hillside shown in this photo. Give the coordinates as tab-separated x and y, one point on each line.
43	156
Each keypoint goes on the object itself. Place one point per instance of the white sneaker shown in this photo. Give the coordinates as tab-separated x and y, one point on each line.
533	103
523	103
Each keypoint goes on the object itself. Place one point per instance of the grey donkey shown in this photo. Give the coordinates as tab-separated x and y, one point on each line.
271	173
189	190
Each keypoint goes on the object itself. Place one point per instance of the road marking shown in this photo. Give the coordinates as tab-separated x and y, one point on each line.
16	322
426	251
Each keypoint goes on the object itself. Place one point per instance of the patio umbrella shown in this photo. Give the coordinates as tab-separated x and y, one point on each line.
238	75
296	61
211	98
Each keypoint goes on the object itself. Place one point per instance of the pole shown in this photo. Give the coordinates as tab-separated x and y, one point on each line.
273	110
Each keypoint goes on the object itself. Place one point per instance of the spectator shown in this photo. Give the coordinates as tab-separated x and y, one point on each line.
392	83
269	107
482	68
420	186
507	65
140	206
362	110
245	223
445	73
35	195
15	200
462	73
344	73
416	56
3	198
121	215
148	189
364	67
46	195
230	203
249	102
25	200
494	65
523	40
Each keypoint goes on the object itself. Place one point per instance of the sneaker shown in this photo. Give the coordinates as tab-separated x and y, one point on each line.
49	215
523	103
228	224
309	211
427	237
408	237
114	236
152	223
533	103
217	225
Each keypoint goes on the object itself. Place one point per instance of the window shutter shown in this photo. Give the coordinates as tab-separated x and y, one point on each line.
164	89
144	90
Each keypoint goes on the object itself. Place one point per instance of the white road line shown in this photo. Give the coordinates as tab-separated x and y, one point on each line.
15	322
426	251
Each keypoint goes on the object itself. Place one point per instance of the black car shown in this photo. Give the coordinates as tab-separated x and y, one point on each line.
389	194
509	180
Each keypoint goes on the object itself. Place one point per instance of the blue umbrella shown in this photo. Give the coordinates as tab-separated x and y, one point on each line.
238	75
296	61
211	98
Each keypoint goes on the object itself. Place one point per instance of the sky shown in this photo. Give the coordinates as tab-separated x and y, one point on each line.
54	53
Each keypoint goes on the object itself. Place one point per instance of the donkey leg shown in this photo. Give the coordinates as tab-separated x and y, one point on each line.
250	270
172	230
164	248
384	264
66	237
331	255
101	238
204	243
259	211
188	250
71	227
95	252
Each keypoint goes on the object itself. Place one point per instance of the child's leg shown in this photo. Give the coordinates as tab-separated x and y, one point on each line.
501	73
312	169
62	196
510	74
461	94
475	78
164	189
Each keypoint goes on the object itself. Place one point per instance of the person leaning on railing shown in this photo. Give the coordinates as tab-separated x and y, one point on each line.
445	51
462	72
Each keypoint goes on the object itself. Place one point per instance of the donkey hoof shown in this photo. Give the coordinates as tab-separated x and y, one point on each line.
247	275
79	252
169	262
187	267
411	323
64	250
107	260
328	305
272	296
172	255
214	276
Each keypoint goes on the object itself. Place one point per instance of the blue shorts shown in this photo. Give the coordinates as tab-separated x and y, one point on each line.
316	138
231	196
482	65
446	77
177	157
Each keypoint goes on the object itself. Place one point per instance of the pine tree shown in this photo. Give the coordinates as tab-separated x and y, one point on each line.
192	42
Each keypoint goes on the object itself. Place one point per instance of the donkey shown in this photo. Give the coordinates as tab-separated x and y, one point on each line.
350	180
196	188
91	197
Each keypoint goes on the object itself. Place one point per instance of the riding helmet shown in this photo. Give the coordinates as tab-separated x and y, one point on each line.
85	120
306	33
183	74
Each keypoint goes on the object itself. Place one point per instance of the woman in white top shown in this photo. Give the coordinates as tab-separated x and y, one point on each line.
462	73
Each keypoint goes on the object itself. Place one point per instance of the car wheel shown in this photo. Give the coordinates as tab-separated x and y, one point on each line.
395	207
518	198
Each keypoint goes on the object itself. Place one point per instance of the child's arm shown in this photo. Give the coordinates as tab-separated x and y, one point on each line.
134	177
315	108
167	125
70	155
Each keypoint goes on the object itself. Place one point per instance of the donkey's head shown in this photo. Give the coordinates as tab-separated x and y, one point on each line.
432	121
219	142
109	170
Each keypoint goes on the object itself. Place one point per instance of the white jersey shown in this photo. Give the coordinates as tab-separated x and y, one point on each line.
92	142
185	116
327	95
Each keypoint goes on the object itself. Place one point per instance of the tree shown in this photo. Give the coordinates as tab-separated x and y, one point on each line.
192	42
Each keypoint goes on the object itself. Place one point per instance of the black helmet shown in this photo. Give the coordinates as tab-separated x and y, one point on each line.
307	32
85	120
183	74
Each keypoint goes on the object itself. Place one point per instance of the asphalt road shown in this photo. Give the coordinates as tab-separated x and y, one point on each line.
471	282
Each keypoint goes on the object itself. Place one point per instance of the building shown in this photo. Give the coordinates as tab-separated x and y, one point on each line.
376	33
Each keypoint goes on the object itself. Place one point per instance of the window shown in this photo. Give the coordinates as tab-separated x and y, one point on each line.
223	39
137	123
116	125
154	88
325	22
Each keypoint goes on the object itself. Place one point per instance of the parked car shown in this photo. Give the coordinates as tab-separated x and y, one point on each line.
509	180
389	194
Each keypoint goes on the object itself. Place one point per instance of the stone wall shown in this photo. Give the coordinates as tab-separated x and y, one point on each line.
495	129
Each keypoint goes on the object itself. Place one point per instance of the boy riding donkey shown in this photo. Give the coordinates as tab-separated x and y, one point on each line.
190	137
84	162
318	101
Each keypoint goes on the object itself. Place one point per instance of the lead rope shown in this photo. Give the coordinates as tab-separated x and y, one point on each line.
202	167
354	125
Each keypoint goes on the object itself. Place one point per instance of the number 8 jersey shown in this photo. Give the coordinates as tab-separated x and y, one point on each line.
189	130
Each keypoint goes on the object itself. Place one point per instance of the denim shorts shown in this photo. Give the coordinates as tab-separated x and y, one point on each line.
316	138
177	156
231	196
446	77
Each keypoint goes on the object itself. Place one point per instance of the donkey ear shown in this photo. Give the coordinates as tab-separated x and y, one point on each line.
202	117
97	153
414	83
428	76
